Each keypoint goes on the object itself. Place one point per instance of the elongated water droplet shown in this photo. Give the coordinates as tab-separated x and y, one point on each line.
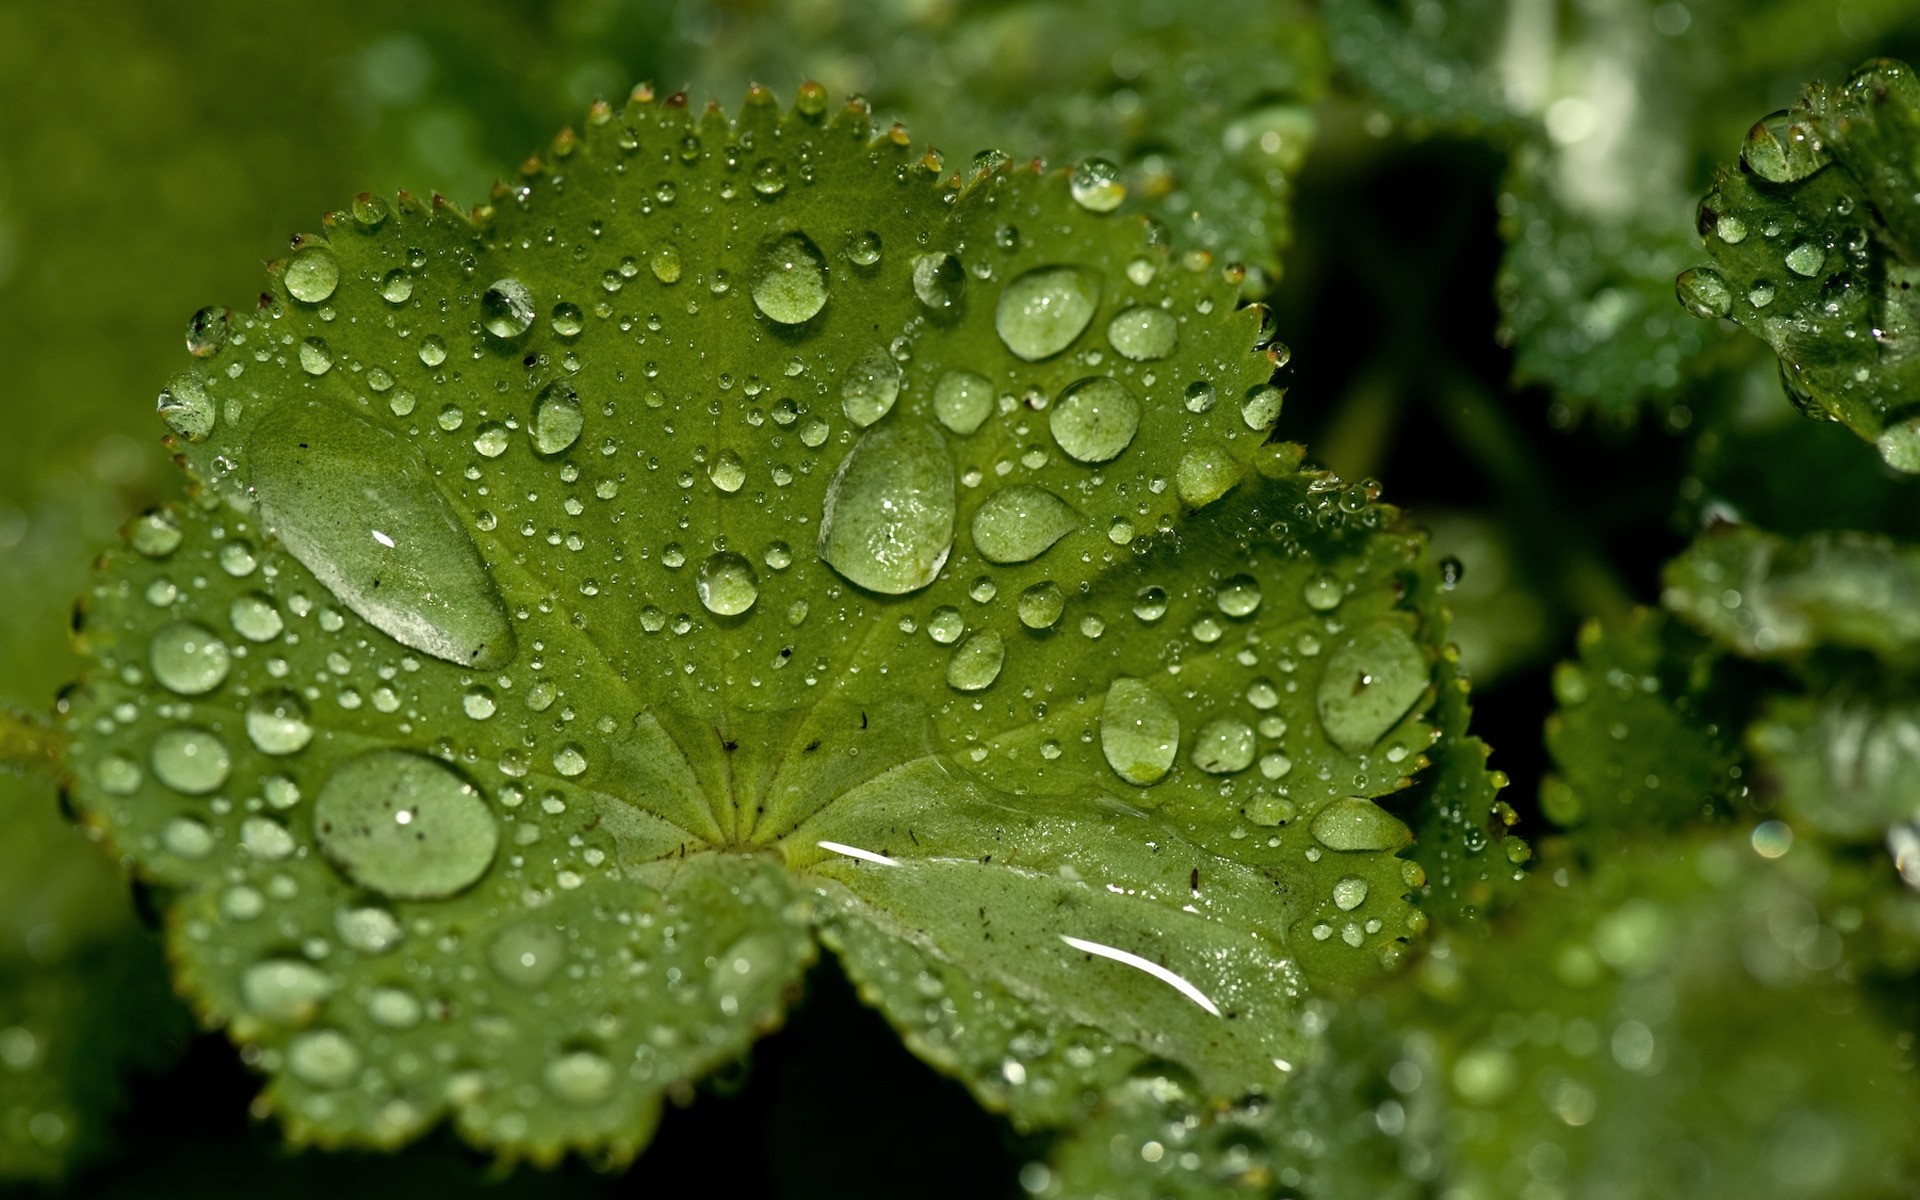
1094	420
284	991
887	524
790	280
976	662
557	419
963	401
312	274
1261	408
1781	150
1370	683
870	386
1139	731
1352	823
582	1077
208	331
726	584
1043	311
1205	473
359	509
664	262
527	954
1350	893
405	825
324	1058
938	280
1144	333
1019	523
506	309
1806	259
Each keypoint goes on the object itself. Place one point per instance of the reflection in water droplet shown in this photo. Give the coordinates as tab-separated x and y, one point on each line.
726	584
359	509
316	357
1322	592
1144	333
506	308
976	662
490	439
1370	683
192	761
869	386
405	825
790	280
863	249
312	274
1355	824
1043	311
1350	893
664	262
727	472
1223	746
557	419
1703	291
963	401
277	723
1237	596
1019	523
1139	731
1094	420
188	658
938	280
1095	185
1262	406
255	618
887	523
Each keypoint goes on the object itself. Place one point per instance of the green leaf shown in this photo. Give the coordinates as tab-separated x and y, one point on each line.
1208	121
1634	740
1813	248
587	604
1841	764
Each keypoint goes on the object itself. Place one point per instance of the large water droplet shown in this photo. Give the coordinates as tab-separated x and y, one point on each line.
277	723
1043	311
312	274
187	409
405	825
887	524
1781	150
963	401
284	991
1019	523
1223	746
557	419
790	280
1041	605
1350	893
1352	823
188	658
359	509
1205	473
976	662
1139	731
1095	419
870	386
1370	683
1703	291
1806	259
1899	445
324	1058
1144	333
506	308
1095	185
192	761
726	584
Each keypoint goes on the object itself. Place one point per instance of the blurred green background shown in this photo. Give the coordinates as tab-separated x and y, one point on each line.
1475	277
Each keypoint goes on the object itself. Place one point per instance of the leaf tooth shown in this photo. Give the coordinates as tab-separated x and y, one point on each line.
599	112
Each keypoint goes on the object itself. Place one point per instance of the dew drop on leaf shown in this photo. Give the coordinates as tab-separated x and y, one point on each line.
1144	333
1370	683
581	1077
790	280
1095	419
1139	731
557	419
1350	893
277	723
1353	824
1019	523
869	386
285	991
726	584
963	401
1223	746
938	280
312	274
863	249
527	954
188	659
324	1058
1704	293
191	761
506	309
1095	185
976	662
1040	606
888	519
1043	311
404	825
1205	473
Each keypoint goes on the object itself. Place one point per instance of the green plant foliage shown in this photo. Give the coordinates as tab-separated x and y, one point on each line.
1208	122
744	531
1812	252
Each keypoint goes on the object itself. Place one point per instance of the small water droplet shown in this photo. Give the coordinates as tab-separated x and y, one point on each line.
1238	595
863	249
790	280
1262	406
1040	606
1323	592
208	330
1144	333
963	401
976	662
1139	731
1704	293
277	723
284	991
1223	746
527	954
188	658
664	262
938	280
404	825
1806	259
324	1058
490	440
582	1077
1044	310
396	286
192	761
316	357
557	419
1350	893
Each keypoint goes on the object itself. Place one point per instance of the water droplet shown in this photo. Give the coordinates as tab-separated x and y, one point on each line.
1262	406
1041	605
1704	293
188	658
1270	810
1352	823
187	409
1370	683
1237	596
963	401
155	534
316	357
1350	893
870	386
976	662
1150	603
1223	746
277	723
1019	523
1144	333
1095	185
255	618
939	280
1323	592
433	352
769	177
1781	150
726	584
192	761
790	280
582	1077
887	523
188	838
284	991
1200	396
396	287
490	440
506	309
1806	259
664	262
323	1058
1205	473
557	419
367	929
1139	731
1044	310
393	1008
312	274
359	509
527	954
863	249
405	825
1760	294
208	330
727	472
1094	420
1899	445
